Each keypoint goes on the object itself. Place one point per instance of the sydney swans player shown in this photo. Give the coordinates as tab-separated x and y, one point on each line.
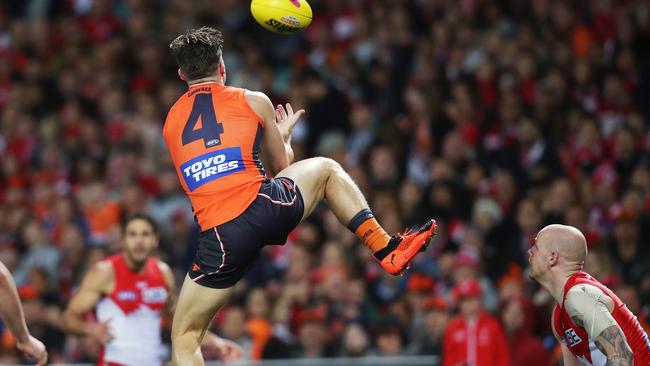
130	292
591	323
216	136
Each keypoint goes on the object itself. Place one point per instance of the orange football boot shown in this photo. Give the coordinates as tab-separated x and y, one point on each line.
402	248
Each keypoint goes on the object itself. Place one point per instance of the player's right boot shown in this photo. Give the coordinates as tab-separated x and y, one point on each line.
402	248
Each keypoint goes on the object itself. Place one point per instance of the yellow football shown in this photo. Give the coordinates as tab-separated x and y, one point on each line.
282	16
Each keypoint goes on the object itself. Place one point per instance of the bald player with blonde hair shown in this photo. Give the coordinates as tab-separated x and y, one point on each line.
591	323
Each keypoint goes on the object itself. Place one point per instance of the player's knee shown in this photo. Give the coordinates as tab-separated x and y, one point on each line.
330	166
180	330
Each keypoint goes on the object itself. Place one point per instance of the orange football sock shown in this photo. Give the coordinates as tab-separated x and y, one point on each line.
368	230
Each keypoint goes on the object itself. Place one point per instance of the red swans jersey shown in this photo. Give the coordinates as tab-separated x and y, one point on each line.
133	311
577	339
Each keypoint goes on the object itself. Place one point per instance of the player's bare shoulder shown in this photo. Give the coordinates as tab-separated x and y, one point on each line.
260	104
167	273
100	277
164	267
256	97
585	296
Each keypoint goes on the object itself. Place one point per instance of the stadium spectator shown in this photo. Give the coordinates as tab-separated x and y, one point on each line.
517	320
473	337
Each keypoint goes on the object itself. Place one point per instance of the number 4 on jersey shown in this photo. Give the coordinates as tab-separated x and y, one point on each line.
210	130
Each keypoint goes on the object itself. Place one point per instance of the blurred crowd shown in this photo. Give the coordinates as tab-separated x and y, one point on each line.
494	117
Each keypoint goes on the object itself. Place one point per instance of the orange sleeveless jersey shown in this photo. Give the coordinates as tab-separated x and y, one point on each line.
213	137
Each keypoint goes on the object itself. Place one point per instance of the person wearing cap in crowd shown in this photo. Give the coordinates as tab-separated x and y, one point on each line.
467	266
312	334
473	337
419	286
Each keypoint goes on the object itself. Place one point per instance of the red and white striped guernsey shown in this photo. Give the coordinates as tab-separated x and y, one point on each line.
133	311
577	339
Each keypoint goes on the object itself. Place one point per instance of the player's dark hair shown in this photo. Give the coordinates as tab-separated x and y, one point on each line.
198	52
140	216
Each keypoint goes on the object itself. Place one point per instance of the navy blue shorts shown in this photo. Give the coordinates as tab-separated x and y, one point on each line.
226	252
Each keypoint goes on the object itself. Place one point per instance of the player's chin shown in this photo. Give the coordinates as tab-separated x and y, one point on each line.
139	256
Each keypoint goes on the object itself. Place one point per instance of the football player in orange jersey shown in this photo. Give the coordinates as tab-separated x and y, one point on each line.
215	134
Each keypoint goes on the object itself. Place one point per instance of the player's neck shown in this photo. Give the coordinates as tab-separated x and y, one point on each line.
555	283
135	267
208	80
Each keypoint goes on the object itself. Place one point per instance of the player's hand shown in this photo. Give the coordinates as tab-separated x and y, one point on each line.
100	332
287	119
226	349
34	349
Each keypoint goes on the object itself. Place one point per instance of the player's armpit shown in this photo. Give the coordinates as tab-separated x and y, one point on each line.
567	357
612	343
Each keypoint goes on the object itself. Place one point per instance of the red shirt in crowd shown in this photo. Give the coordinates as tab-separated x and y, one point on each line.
477	342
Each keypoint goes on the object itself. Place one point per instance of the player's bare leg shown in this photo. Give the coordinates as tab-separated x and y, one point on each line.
319	178
197	306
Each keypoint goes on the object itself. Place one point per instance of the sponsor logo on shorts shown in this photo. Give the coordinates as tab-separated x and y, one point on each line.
295	3
212	166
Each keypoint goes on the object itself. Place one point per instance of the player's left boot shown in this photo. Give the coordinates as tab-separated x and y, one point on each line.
402	248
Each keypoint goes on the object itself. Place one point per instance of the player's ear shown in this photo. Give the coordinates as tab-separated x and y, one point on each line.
553	258
222	70
180	75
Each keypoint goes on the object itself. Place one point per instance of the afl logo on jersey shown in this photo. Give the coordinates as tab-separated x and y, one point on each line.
127	296
213	142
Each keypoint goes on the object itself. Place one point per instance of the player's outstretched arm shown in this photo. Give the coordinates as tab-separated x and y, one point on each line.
96	283
276	140
12	314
